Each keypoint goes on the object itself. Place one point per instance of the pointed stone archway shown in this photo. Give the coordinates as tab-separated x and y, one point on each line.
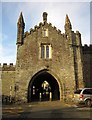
43	87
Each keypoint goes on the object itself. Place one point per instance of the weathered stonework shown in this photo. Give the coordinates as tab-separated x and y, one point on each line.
64	71
87	65
8	81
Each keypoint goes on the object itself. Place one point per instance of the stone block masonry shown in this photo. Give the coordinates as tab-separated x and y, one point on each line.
47	57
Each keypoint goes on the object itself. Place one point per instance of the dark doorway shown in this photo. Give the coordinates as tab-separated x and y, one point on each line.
43	87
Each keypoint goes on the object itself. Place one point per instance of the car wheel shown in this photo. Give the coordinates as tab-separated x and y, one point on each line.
88	103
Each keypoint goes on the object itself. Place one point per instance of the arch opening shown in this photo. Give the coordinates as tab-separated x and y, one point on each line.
43	87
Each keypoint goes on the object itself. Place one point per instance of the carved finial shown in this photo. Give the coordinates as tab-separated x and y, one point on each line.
20	30
67	19
45	17
68	25
21	20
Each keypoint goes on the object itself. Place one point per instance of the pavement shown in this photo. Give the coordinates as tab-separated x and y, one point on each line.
55	110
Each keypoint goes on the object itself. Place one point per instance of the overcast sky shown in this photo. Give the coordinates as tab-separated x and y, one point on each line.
78	12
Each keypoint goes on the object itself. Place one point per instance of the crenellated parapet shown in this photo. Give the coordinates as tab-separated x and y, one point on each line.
67	35
87	49
6	67
23	35
37	27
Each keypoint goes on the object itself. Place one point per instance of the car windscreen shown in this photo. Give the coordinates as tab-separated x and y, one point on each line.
87	91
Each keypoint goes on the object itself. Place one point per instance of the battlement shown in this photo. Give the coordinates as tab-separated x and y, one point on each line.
87	49
6	67
32	30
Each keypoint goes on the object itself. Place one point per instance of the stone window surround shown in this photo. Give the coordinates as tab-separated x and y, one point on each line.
47	52
45	32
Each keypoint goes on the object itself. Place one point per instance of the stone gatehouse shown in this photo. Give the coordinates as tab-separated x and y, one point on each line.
50	65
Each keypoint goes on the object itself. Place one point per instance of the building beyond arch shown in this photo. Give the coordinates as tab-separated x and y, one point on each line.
38	85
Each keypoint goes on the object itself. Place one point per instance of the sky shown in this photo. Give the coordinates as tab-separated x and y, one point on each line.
78	12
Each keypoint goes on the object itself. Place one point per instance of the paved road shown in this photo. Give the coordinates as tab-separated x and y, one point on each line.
48	110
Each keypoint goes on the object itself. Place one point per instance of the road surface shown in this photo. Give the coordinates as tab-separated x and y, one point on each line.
55	110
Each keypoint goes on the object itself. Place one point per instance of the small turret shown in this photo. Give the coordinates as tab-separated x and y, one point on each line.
20	29
68	26
45	17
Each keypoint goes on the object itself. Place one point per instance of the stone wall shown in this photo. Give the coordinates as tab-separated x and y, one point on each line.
69	62
87	65
8	74
8	80
29	61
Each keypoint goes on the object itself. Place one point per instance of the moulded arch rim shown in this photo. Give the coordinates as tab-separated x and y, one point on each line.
60	83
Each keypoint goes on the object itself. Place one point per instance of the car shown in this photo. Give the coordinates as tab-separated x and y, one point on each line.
83	96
